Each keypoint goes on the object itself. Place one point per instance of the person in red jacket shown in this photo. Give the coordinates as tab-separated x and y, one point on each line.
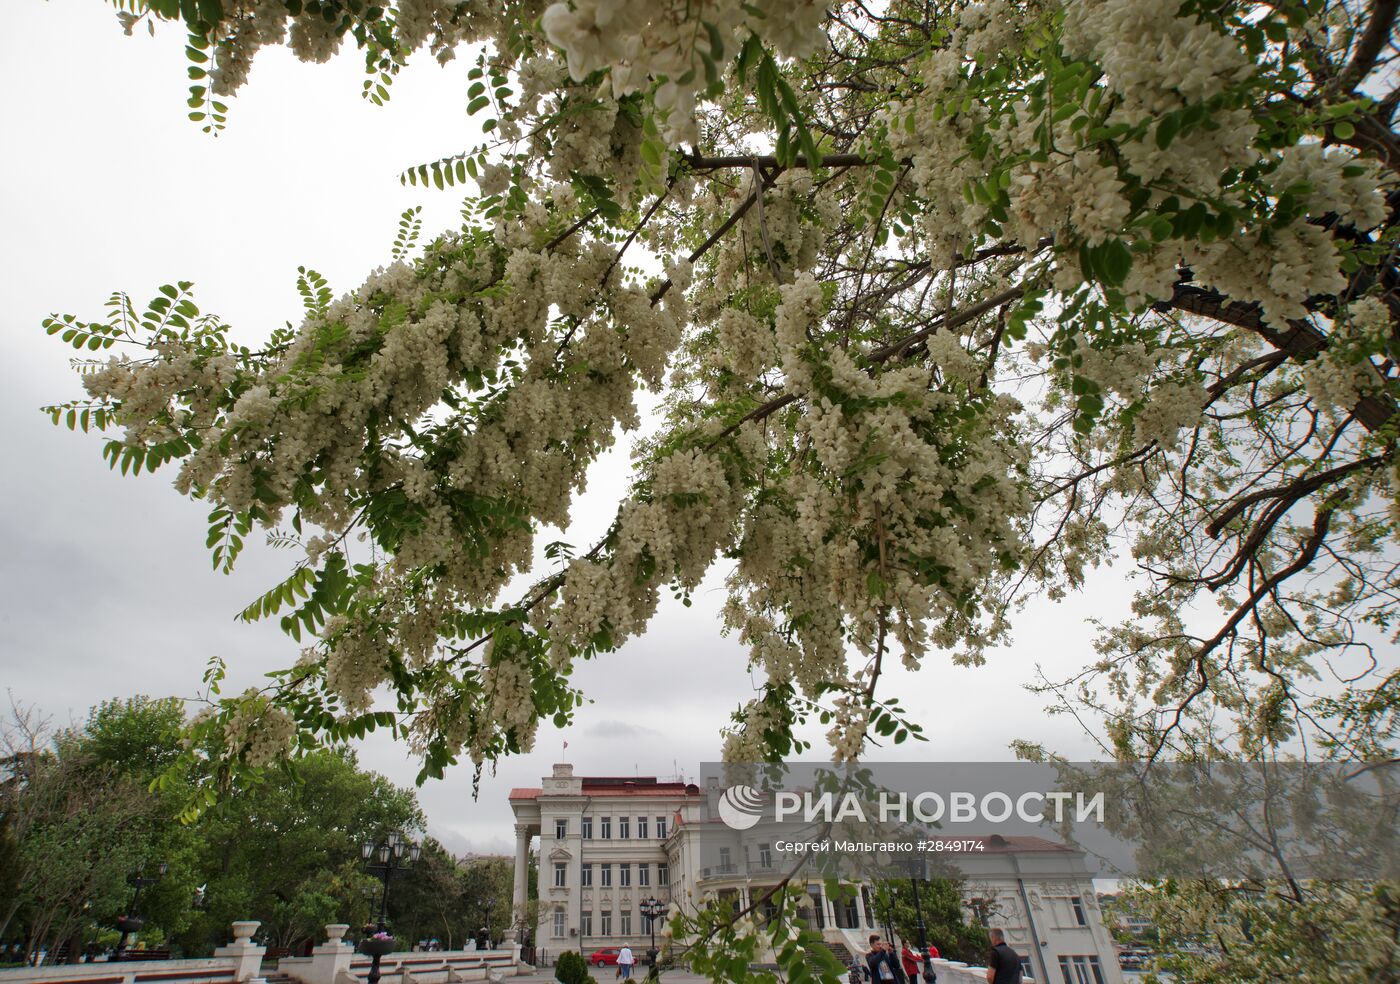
911	961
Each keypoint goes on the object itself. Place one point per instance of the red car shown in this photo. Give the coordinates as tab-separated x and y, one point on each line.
605	957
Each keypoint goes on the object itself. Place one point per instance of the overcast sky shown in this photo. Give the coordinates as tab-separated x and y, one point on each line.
105	585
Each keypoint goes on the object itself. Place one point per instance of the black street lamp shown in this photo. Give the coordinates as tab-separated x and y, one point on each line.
487	903
132	922
385	857
917	871
651	909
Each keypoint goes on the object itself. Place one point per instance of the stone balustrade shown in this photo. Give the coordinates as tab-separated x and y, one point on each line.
332	962
240	961
954	972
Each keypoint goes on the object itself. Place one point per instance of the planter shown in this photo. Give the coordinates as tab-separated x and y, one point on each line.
243	931
378	948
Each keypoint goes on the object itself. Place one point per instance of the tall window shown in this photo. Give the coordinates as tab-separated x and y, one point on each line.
626	916
642	828
643	875
605	929
586	876
624	876
724	862
1077	904
1081	970
606	871
561	828
663	874
605	828
661	827
559	922
586	825
585	922
765	855
561	874
623	825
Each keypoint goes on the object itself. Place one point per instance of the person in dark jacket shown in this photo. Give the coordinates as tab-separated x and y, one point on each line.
1003	963
883	963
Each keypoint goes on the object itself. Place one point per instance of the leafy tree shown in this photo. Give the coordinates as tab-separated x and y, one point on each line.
288	851
139	734
946	303
945	920
79	813
491	879
77	826
428	902
1007	298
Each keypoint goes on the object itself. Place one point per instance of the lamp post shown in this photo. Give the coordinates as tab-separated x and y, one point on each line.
132	922
917	871
651	909
385	857
486	903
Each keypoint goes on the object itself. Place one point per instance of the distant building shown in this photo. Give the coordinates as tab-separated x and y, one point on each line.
608	843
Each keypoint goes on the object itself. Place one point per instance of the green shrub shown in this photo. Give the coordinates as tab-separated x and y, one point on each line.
572	968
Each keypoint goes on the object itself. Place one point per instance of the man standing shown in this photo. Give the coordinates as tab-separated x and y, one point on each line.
624	963
882	962
1003	963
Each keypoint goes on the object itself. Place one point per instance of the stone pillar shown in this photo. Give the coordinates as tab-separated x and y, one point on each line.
329	958
521	894
963	973
247	962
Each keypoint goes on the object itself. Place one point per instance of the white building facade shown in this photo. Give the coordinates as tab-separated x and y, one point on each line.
607	844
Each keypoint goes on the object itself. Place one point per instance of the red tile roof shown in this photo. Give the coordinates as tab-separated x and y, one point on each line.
599	786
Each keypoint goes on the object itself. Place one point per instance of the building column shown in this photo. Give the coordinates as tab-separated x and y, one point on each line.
520	897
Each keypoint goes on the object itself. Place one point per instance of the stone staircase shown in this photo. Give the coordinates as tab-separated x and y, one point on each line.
840	951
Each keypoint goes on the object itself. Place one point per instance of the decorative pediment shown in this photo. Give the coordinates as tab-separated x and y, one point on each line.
560	854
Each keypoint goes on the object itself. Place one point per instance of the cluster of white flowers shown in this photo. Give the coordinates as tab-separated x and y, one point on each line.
672	534
667	43
1171	405
1156	61
260	730
356	662
508	705
248	25
146	391
851	717
892	496
1082	192
1124	368
1339	375
744	742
